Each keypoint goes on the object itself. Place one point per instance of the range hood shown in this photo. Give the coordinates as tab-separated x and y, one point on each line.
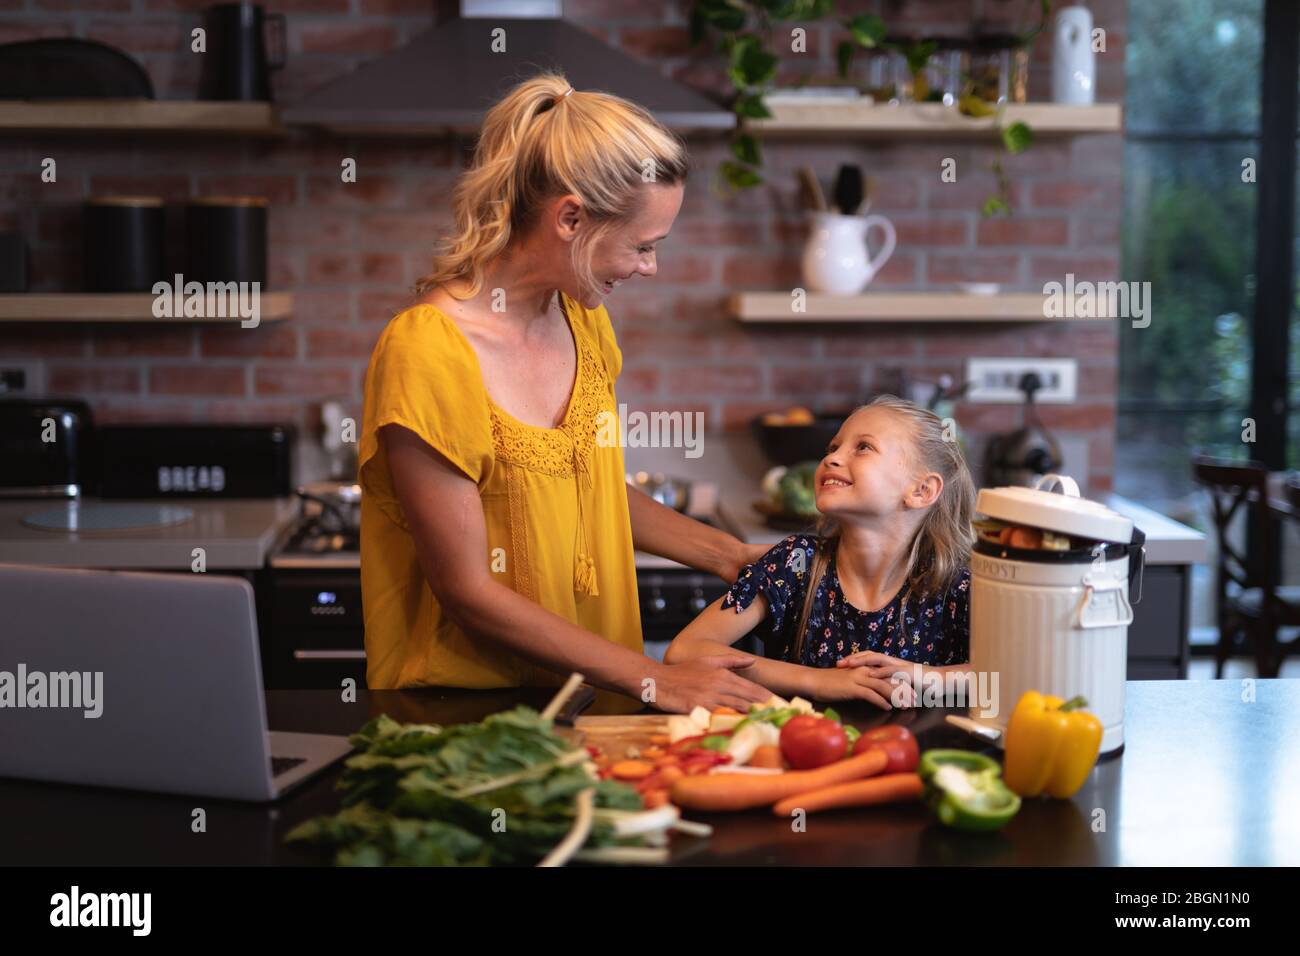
445	79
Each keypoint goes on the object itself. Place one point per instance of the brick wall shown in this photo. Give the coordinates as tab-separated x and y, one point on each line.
349	252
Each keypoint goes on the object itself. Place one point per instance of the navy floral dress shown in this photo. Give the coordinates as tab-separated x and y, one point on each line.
937	629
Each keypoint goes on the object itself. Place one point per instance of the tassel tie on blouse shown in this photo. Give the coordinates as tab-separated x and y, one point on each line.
584	568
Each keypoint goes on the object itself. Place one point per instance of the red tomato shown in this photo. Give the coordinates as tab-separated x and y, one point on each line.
808	742
898	744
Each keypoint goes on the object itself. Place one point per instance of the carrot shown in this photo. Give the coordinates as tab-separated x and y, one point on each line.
670	775
890	788
631	770
660	740
737	791
654	798
767	757
724	711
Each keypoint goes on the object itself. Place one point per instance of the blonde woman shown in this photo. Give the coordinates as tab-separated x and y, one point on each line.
497	534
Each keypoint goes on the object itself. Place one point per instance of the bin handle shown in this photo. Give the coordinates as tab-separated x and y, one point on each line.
1069	486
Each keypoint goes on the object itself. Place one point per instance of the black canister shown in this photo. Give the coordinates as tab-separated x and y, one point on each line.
226	239
122	243
236	65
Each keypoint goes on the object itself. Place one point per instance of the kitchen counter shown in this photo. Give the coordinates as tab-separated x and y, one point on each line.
235	533
1205	779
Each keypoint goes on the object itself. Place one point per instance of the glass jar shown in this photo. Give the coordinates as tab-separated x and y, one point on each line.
999	69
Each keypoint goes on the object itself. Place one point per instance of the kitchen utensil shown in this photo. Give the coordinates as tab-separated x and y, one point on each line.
848	190
1055	621
34	467
339	503
226	239
869	190
665	489
70	68
812	189
1021	456
837	258
122	243
1074	66
236	65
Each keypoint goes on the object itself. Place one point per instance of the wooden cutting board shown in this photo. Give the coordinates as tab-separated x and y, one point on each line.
614	735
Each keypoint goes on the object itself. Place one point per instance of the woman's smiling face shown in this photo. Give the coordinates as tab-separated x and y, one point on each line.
629	249
867	470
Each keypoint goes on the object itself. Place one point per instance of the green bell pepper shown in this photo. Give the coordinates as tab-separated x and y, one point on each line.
965	790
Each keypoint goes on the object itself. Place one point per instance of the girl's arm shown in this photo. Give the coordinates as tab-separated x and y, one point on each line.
717	628
658	529
445	516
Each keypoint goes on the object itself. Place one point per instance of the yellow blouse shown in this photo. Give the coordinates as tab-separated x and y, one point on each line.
554	503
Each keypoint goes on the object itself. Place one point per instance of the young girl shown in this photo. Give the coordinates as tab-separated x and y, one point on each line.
883	586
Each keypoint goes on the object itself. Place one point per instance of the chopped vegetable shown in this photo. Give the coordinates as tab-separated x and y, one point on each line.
631	770
965	790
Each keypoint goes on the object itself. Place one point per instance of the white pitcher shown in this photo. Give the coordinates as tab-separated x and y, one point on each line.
1074	67
836	259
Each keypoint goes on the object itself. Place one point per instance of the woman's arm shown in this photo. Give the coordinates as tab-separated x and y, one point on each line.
716	628
658	529
445	515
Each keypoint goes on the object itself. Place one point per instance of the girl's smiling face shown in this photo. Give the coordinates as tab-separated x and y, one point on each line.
868	469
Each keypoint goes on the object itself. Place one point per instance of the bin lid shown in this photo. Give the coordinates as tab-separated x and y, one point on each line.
1062	510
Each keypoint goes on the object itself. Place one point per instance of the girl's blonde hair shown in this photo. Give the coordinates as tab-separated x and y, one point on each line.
538	143
942	544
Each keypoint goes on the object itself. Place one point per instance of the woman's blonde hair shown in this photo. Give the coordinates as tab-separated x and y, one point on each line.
942	544
538	143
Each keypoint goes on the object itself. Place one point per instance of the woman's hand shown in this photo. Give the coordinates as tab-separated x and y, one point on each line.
857	683
707	682
741	554
884	666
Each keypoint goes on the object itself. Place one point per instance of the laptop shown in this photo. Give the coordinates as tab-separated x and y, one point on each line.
145	681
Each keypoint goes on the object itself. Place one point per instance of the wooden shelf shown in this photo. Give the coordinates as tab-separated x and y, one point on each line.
774	307
932	119
119	307
140	115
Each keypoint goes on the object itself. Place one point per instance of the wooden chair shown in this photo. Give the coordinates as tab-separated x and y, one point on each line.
1251	605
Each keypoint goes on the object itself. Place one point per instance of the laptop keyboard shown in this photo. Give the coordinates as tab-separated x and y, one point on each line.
281	765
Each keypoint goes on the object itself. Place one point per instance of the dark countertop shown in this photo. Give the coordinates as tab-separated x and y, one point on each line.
1205	779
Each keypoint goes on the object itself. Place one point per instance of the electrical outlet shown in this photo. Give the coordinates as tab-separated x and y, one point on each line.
997	380
21	378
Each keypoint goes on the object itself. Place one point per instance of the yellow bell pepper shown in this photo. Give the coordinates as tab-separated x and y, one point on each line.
1051	745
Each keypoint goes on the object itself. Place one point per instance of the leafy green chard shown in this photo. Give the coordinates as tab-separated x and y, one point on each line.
499	791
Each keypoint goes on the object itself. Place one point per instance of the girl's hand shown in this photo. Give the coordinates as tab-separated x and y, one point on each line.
882	665
857	683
